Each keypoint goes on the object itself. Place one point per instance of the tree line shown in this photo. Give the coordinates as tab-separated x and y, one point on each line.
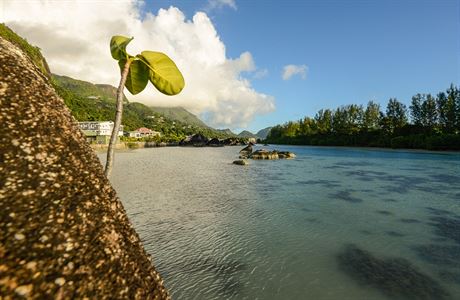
430	122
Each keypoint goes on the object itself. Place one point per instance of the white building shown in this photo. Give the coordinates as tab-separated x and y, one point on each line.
98	131
143	132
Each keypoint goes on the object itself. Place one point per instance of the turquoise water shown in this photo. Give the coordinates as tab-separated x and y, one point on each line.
294	229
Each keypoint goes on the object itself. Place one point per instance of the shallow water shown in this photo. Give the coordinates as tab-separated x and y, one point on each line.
281	229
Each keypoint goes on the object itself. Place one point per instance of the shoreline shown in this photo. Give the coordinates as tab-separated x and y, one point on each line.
141	145
375	148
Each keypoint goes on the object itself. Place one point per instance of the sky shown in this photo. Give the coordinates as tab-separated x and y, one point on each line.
249	64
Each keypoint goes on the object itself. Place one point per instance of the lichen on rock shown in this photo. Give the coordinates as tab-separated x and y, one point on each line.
63	231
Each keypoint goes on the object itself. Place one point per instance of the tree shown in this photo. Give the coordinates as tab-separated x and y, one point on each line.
307	127
416	109
339	121
453	103
136	71
355	117
429	112
371	116
324	121
396	114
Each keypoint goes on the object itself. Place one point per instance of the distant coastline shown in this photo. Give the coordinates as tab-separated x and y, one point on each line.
415	150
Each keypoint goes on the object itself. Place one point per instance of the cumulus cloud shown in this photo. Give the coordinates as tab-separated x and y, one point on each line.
292	70
74	37
219	4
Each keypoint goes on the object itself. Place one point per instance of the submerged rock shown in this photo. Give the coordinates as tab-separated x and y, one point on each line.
395	277
64	233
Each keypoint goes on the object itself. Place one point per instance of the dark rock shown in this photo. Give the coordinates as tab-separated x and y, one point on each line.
64	232
241	162
215	142
395	277
246	151
234	142
196	140
264	154
286	154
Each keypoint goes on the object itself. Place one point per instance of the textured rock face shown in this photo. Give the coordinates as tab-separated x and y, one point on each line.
63	232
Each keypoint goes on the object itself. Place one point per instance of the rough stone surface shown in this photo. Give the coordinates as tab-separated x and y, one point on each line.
265	154
64	234
240	162
246	151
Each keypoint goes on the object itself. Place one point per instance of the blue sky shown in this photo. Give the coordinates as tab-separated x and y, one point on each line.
355	51
338	51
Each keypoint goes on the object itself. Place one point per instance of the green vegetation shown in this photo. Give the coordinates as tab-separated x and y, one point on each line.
32	52
179	114
247	134
96	102
435	125
136	72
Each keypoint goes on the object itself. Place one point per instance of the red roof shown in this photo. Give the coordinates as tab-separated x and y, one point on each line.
143	130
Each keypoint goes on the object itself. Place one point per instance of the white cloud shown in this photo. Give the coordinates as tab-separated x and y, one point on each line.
74	37
292	70
219	4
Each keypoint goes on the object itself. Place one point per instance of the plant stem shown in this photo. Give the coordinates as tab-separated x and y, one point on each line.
118	116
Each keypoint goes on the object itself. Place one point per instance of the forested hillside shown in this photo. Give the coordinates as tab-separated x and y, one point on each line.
96	102
430	122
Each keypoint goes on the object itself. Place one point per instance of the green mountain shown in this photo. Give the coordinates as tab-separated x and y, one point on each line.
96	102
247	134
227	131
262	134
179	114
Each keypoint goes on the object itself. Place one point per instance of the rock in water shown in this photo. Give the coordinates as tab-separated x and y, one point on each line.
246	151
240	162
64	232
264	154
286	154
395	277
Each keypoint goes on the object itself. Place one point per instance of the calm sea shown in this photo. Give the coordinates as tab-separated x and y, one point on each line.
334	223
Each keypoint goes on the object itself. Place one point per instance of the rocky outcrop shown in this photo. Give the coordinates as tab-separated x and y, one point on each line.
246	151
234	142
240	162
196	140
286	154
265	154
63	231
215	142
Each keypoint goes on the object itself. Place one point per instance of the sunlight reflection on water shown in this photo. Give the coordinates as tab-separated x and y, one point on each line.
276	229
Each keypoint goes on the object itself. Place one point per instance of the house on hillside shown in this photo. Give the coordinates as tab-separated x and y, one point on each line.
98	132
142	132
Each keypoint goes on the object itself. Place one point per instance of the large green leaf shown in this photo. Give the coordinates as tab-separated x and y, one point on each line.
138	76
164	73
118	45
